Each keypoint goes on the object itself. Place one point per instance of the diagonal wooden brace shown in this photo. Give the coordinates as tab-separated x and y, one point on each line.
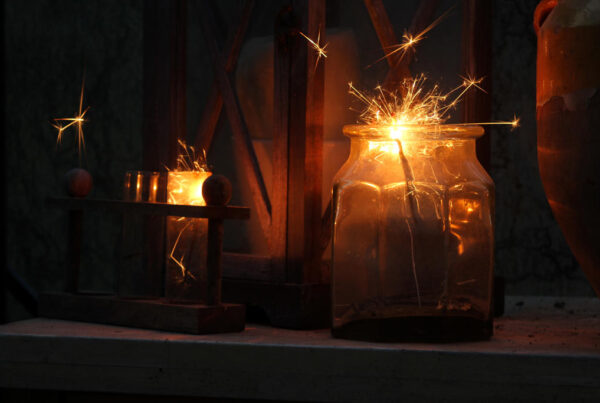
214	105
242	140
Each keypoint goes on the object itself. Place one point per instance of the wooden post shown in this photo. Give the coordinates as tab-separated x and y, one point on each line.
298	142
213	261
282	57
75	224
477	62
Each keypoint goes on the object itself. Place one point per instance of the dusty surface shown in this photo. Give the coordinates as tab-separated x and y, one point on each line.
532	325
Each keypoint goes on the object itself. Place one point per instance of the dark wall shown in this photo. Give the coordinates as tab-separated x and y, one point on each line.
50	44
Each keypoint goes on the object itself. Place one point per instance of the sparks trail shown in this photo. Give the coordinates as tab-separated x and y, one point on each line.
189	160
317	47
179	262
58	124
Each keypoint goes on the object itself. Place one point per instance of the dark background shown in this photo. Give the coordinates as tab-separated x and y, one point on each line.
49	44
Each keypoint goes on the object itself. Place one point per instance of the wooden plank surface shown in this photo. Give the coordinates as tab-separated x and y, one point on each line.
147	314
545	349
158	209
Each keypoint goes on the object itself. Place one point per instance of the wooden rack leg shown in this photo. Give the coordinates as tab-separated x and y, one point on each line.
213	264
74	250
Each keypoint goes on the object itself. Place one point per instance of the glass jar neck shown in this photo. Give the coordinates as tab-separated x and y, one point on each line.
385	149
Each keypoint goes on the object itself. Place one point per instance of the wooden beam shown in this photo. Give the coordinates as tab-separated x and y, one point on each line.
313	158
477	62
383	28
214	104
242	141
156	209
282	59
304	142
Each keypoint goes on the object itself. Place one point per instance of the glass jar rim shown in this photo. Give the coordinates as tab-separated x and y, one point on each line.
415	132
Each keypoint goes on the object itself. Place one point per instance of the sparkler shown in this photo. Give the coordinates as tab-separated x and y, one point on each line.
416	104
317	47
185	187
77	120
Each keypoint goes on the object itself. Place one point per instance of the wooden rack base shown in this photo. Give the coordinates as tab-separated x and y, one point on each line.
144	313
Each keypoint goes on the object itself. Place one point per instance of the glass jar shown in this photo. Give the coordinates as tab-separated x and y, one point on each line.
187	238
412	255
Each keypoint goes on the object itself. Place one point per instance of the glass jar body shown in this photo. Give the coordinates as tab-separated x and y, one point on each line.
412	254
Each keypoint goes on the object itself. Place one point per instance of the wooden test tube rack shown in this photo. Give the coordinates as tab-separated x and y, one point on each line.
160	314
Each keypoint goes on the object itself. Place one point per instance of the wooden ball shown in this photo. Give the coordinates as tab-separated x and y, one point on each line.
216	190
78	182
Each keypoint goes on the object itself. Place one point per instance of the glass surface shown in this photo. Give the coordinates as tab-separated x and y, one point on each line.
142	238
413	237
186	240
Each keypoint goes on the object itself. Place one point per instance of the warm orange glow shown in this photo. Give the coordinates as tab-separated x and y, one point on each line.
184	186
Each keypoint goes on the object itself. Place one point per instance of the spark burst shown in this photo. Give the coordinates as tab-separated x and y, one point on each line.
59	124
409	40
416	104
317	47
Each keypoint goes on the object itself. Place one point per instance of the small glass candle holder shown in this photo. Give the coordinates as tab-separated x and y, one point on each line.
142	238
186	254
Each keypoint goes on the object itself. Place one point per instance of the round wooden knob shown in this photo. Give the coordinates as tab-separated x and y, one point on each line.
78	182
216	190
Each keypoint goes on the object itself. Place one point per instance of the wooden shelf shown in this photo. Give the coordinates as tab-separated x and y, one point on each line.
543	349
159	209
